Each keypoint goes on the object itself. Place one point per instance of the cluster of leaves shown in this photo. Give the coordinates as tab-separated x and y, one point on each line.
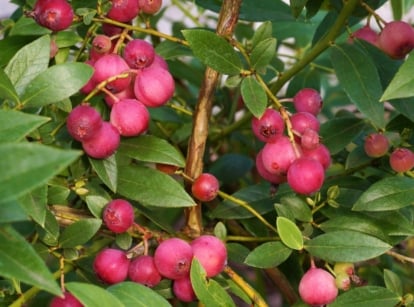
52	195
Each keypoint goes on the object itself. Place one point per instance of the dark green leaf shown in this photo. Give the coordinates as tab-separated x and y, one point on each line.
7	90
134	294
150	148
254	96
263	32
10	45
339	132
107	171
208	291
387	194
79	232
214	51
297	7
393	282
231	167
14	125
297	206
91	295
152	188
28	62
20	261
346	246
67	78
35	203
366	296
360	80
28	26
289	233
402	85
268	255
30	168
263	53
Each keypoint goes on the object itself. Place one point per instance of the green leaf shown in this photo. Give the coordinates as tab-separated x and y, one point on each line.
297	7
366	296
254	96
96	204
263	32
263	53
35	203
339	132
67	78
298	207
11	211
28	62
7	90
268	255
135	294
14	125
107	171
30	168
289	233
402	85
79	232
214	51
208	291
346	246
231	167
91	295
149	148
389	193
393	282
152	188
20	261
359	78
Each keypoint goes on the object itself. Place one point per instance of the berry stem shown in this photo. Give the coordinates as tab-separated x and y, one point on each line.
104	83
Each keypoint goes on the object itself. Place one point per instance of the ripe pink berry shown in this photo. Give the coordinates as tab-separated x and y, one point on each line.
304	120
305	176
205	187
365	33
56	15
211	252
320	153
142	270
402	160
69	300
83	122
111	265
118	215
104	143
317	287
112	98
123	10
308	100
138	53
376	145
396	39
150	7
173	258
154	86
309	139
160	62
269	126
279	155
111	65
111	30
101	45
272	178
130	117
183	289
90	85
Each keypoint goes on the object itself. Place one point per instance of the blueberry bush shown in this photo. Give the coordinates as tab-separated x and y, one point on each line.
252	153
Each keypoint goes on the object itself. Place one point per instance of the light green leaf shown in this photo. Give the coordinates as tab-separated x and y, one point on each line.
7	90
214	51
35	203
346	246
263	53
149	148
152	188
134	294
263	32
14	125
79	232
67	78
208	291
359	78
28	62
30	168
393	282
91	295
402	85
268	255
96	204
254	96
389	193
19	260
11	211
289	233
366	296
107	171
